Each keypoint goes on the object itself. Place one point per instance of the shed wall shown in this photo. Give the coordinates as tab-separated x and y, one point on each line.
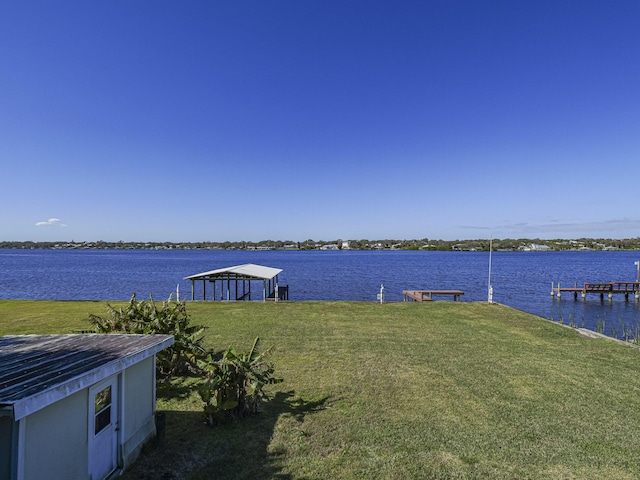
55	440
139	408
6	445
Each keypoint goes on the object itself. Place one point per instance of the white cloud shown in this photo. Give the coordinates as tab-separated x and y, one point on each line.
52	222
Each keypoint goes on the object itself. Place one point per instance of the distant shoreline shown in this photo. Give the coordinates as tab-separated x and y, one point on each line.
478	245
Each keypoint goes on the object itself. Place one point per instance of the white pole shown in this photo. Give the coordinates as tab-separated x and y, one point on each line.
178	293
381	293
490	298
637	264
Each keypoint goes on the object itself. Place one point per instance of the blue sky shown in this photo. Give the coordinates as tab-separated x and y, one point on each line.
250	120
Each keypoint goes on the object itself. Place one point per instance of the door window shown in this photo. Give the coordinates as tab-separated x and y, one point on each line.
102	409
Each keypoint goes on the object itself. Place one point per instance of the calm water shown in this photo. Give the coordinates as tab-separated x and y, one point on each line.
520	279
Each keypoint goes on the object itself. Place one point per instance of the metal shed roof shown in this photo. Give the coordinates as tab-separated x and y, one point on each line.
38	370
248	271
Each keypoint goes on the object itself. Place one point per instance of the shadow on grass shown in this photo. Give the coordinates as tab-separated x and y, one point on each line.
238	449
177	389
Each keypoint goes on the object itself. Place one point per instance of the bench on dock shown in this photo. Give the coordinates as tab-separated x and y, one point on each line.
427	295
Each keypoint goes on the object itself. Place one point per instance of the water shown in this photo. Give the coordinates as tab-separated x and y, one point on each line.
520	279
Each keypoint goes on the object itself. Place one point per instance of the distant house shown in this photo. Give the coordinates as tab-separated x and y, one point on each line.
534	247
75	406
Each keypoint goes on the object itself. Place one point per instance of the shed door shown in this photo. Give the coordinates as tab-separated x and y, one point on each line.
103	428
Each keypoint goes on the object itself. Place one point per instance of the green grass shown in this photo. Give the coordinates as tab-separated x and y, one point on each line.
402	390
20	317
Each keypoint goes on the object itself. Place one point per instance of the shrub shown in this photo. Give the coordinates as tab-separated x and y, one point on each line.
144	317
234	385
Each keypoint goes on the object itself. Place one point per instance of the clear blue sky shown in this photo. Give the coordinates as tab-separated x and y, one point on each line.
296	119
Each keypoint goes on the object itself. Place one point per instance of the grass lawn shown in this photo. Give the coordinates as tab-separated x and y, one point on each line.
396	391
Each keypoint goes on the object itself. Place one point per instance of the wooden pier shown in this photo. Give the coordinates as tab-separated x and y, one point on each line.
610	289
427	295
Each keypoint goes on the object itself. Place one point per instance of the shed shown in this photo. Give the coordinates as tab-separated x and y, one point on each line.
75	406
241	276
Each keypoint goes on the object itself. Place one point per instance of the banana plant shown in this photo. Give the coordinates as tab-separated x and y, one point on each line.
234	385
145	317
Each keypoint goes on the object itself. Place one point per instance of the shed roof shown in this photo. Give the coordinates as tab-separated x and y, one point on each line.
248	271
38	370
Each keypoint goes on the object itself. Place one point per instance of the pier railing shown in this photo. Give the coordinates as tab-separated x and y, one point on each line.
608	288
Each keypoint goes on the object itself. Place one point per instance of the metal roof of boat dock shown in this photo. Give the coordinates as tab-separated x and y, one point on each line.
247	271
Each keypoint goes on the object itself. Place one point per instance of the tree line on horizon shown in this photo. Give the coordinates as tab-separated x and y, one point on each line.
507	244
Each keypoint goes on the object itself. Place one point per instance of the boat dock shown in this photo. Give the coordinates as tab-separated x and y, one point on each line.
427	295
610	289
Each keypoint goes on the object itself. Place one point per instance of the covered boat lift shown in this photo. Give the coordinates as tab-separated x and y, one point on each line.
238	280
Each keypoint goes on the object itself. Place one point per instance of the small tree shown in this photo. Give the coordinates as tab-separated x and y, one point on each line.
144	317
234	385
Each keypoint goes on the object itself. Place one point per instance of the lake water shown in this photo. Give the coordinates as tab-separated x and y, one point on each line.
520	279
